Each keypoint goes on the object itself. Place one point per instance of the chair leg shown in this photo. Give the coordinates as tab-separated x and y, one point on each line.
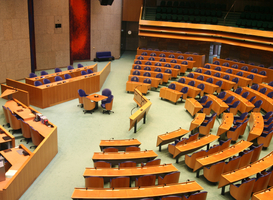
107	111
88	111
8	125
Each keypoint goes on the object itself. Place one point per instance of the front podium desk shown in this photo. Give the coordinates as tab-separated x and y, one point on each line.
2	169
22	166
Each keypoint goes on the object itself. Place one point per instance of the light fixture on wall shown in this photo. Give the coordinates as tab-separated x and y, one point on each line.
129	32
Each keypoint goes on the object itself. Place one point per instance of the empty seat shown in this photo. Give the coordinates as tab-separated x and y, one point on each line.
213	173
94	182
169	178
197	196
147	180
242	191
102	164
120	182
127	164
232	164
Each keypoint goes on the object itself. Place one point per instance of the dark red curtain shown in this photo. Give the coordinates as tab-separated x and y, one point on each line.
79	20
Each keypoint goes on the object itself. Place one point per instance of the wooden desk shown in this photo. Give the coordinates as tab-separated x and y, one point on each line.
169	137
43	96
256	125
118	157
168	60
137	193
210	88
218	105
227	122
199	59
24	113
170	94
244	106
154	81
73	73
269	72
142	87
247	171
193	146
139	98
119	144
96	97
15	158
108	173
243	81
21	95
267	104
197	121
192	106
265	194
6	139
165	79
38	160
192	92
257	77
140	113
221	155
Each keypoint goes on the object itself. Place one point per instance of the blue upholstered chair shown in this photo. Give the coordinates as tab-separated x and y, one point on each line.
226	77
245	68
218	68
57	70
245	95
140	58
32	75
172	86
135	79
67	76
138	62
262	73
171	56
207	66
173	61
38	83
137	67
216	62
159	75
191	83
198	70
255	87
182	80
169	71
180	57
254	70
222	95
58	78
229	71
148	63
46	81
147	68
148	74
80	65
136	73
226	64
43	73
240	74
107	104
90	71
229	100
208	72
238	90
162	60
209	80
200	77
203	100
144	53
151	58
167	65
83	73
158	64
217	74
162	55
263	90
235	66
190	75
270	94
158	69
70	67
241	61
184	62
190	58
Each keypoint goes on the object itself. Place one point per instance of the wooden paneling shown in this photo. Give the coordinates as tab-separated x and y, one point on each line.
131	10
104	73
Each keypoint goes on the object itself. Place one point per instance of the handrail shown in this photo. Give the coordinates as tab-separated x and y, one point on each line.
229	11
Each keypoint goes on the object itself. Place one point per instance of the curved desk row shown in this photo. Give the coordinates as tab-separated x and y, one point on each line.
165	79
37	160
168	60
137	193
46	96
269	72
199	59
258	78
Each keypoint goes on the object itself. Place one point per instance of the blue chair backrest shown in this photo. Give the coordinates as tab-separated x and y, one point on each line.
162	55
159	75
158	69
82	93
229	71
226	77
147	74
46	81
225	64
262	73
189	58
255	87
245	94
207	66
147	68
148	63
136	73
37	83
191	83
184	62
201	86
216	62
153	54
168	71
245	68
70	67
241	61
57	70
168	65
140	58
219	83
44	73
80	65
106	92
254	70
171	56
250	76
147	80
58	78
190	75
184	90
151	58
83	72
180	57
158	64
172	86
138	62
209	80
32	75
235	66
135	79
173	61
181	80
217	74
236	80
137	67
67	76
144	53
89	71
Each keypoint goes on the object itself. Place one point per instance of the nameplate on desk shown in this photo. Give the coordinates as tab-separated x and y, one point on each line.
59	83
47	85
85	76
36	78
64	81
58	73
85	68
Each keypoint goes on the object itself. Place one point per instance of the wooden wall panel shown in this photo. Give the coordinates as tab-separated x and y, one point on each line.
131	10
104	73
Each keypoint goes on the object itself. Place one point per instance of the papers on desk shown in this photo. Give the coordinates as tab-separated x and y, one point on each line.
10	173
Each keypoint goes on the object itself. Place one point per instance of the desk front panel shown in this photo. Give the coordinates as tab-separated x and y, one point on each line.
218	105
192	106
